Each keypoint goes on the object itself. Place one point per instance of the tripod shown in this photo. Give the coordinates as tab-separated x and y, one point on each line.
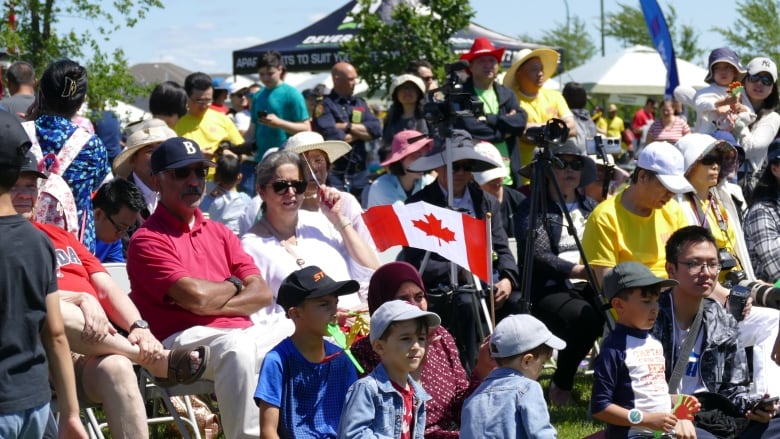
542	172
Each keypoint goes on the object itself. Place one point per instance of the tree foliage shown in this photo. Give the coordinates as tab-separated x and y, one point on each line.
382	49
756	30
29	34
573	39
628	26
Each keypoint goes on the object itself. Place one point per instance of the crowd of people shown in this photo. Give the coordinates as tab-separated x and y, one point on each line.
238	214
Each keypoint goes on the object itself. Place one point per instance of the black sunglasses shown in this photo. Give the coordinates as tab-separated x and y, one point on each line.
462	166
184	173
574	164
281	187
765	79
710	159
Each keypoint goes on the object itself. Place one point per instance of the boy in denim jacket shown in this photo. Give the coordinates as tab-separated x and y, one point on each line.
510	403
388	402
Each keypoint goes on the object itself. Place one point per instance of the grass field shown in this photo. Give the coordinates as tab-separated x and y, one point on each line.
573	422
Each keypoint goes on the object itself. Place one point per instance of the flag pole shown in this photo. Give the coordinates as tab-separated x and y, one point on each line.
489	253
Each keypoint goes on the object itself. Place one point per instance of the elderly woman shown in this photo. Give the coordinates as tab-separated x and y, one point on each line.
441	374
561	298
287	238
406	110
669	127
61	92
395	186
710	206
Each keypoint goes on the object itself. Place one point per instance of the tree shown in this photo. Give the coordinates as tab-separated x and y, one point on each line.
628	26
573	40
756	31
29	35
381	49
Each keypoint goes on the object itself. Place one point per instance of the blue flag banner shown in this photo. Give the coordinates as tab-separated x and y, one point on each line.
659	32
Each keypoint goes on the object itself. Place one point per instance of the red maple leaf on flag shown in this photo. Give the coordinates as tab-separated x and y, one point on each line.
432	227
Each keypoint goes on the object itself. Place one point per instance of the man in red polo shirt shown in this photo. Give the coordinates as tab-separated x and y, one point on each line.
195	285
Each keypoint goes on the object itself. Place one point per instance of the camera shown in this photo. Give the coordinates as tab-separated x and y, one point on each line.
554	131
738	297
611	145
726	260
449	101
763	294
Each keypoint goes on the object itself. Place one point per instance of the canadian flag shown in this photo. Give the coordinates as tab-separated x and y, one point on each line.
455	236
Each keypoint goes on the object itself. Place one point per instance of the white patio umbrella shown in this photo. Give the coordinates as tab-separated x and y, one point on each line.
635	71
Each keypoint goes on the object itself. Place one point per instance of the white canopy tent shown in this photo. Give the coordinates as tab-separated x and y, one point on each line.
637	70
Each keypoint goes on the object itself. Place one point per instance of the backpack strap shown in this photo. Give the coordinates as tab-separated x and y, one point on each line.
70	150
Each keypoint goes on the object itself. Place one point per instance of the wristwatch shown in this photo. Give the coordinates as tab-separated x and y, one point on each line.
140	323
635	416
236	283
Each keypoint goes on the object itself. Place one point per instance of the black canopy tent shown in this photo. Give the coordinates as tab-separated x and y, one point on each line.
317	47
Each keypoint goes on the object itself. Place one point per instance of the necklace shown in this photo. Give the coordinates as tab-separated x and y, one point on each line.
285	242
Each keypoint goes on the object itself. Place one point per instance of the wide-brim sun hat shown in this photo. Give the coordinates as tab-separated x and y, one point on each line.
407	77
547	56
695	146
462	148
481	47
723	54
311	140
407	142
141	135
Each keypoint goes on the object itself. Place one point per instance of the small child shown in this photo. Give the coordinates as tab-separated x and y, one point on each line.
715	107
304	379
510	402
630	392
388	402
223	203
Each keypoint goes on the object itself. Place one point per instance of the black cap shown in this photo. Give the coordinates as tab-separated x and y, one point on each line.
309	283
774	150
14	141
30	165
177	152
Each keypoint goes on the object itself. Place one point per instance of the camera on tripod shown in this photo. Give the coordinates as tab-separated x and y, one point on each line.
611	145
449	101
554	132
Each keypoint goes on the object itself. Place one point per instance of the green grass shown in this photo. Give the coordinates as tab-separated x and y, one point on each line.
574	421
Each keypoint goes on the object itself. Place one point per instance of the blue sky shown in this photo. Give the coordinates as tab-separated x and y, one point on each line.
201	35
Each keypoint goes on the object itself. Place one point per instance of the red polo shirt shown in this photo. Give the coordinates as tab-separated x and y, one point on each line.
165	250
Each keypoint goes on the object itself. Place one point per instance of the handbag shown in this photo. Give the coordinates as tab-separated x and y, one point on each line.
719	416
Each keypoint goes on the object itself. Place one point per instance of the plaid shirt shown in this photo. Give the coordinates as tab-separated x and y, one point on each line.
762	236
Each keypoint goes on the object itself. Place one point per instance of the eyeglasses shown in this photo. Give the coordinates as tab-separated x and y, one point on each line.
281	187
695	267
710	159
427	78
574	164
462	166
203	101
764	79
119	228
184	173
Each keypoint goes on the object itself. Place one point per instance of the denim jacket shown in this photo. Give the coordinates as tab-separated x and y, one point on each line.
506	405
374	409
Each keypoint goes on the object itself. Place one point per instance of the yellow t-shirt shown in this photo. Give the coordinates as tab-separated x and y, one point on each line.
547	104
613	234
209	130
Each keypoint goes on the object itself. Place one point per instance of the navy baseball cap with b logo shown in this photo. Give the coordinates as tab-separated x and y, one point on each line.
309	283
177	152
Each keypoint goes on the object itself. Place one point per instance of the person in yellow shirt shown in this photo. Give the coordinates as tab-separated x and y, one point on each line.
528	73
613	124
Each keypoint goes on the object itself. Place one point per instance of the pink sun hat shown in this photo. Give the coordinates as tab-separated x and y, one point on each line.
402	146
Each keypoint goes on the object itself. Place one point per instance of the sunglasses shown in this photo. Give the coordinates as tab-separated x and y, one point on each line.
280	187
710	159
461	166
184	173
764	79
574	164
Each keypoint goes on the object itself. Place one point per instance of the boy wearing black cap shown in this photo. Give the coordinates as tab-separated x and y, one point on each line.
630	392
304	379
31	327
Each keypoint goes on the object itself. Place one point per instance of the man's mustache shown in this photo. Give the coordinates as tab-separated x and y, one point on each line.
193	191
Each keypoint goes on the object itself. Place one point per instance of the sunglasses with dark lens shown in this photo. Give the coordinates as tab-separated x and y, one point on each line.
281	187
461	166
765	79
184	173
574	164
710	159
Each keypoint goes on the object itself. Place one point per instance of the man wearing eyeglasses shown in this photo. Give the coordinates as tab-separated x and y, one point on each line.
196	286
716	362
635	223
117	206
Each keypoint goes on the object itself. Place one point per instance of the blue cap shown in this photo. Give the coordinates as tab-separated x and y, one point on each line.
723	54
177	152
220	84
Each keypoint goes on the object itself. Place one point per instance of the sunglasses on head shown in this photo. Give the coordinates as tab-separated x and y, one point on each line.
281	187
710	159
184	173
461	166
574	164
764	79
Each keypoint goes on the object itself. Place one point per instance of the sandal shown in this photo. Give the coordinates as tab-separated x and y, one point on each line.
180	369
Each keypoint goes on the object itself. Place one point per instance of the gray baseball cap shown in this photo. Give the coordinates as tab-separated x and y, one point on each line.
397	311
632	275
520	333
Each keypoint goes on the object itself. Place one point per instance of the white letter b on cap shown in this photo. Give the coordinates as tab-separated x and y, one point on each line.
190	147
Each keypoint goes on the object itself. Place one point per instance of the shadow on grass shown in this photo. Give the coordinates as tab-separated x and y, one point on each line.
573	421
